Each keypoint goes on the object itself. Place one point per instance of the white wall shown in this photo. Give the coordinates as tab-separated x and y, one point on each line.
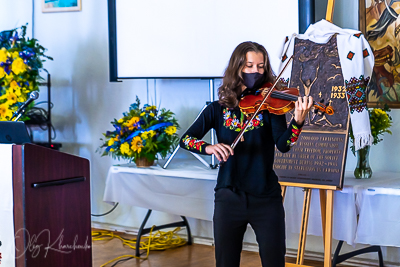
8	18
85	102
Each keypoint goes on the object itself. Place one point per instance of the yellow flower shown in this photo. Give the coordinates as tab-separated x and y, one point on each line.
14	85
144	135
132	121
5	111
152	114
3	55
125	149
2	72
110	142
170	130
143	113
137	144
21	98
150	108
17	91
148	134
112	149
15	55
11	98
18	66
121	120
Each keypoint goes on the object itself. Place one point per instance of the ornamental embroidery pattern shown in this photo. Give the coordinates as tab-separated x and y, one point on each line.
365	53
284	82
350	55
233	123
356	93
192	143
295	135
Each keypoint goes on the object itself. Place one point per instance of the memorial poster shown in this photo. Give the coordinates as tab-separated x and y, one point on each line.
319	155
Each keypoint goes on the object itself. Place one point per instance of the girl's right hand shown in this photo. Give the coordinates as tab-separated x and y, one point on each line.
221	151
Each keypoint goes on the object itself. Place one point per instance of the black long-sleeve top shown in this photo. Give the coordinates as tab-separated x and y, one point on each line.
250	169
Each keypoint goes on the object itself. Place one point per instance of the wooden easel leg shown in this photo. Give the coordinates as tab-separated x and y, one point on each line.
304	224
328	229
283	192
322	200
329	10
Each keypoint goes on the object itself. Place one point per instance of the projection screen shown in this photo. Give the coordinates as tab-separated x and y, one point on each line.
192	39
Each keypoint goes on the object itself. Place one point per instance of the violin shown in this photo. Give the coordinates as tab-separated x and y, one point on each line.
279	101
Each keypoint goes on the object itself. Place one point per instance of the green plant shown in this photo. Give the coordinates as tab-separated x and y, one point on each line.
20	61
380	121
141	132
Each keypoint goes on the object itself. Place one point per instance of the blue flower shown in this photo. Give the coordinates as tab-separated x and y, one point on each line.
118	128
133	106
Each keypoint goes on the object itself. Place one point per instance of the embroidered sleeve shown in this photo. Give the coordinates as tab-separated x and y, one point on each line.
295	135
191	139
193	144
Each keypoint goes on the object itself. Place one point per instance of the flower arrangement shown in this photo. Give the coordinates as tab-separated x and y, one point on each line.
141	133
380	121
20	61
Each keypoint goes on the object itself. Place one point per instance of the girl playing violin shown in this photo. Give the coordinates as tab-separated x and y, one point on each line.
247	190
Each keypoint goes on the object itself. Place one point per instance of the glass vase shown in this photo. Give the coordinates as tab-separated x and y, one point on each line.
363	170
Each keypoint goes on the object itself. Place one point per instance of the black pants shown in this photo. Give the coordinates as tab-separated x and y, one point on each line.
233	211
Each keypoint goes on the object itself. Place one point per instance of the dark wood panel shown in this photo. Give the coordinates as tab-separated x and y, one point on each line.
57	218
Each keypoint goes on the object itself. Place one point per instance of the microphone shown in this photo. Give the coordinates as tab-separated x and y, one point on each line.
32	96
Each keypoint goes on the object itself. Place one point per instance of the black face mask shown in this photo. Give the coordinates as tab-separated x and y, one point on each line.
252	80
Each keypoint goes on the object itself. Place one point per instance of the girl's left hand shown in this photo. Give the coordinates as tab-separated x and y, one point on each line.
302	108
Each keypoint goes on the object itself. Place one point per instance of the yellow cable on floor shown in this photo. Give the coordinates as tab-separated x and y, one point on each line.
159	241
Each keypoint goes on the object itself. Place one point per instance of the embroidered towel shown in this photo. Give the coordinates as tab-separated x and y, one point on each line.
357	61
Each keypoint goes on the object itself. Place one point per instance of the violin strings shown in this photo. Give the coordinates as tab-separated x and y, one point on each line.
283	96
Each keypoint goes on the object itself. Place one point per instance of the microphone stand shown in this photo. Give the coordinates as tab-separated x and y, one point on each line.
19	115
33	96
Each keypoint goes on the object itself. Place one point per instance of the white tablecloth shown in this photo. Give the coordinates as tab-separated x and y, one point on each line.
186	188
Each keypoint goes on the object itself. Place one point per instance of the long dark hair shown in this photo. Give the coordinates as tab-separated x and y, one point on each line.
232	82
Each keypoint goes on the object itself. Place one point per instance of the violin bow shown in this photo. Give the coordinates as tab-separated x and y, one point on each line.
241	133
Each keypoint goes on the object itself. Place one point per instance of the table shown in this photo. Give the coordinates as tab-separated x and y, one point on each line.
186	188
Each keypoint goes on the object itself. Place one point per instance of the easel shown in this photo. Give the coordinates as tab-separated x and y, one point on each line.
326	200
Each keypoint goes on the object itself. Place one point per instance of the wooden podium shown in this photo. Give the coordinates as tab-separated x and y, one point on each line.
51	208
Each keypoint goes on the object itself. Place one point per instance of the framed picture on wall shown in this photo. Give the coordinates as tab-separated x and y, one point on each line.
380	24
61	5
